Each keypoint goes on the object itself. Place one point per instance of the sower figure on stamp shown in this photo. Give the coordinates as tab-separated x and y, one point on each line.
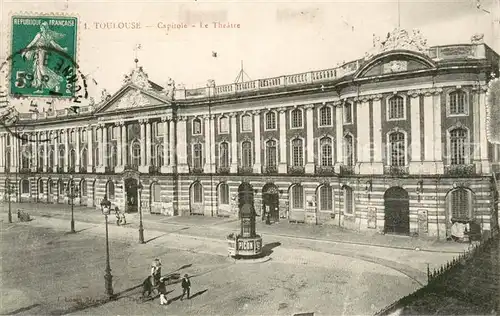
186	286
43	76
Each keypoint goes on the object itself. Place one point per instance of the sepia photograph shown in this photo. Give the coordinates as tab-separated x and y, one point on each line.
297	158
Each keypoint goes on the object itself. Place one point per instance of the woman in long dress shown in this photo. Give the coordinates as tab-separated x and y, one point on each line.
43	76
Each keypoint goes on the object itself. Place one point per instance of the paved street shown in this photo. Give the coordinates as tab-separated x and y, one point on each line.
54	272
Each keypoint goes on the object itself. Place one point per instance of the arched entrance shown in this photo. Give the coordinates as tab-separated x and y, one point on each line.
270	200
245	195
131	185
397	211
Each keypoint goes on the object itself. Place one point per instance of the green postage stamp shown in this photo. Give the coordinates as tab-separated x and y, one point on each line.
43	56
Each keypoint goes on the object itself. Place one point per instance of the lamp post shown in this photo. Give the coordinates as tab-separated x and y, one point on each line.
9	192
141	228
108	278
72	193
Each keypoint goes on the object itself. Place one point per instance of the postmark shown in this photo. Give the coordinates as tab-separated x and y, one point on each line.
43	59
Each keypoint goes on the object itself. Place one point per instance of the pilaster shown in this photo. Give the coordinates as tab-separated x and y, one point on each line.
257	167
120	166
483	141
45	152
415	165
182	165
438	142
377	164
309	168
209	166
142	167
282	166
77	153
90	148
339	136
428	165
234	143
165	168
363	135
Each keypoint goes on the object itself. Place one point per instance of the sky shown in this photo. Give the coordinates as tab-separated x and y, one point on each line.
274	38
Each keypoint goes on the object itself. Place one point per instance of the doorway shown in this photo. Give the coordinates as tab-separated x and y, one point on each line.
397	211
245	195
270	200
131	185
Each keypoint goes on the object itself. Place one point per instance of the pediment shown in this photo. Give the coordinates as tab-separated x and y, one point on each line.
395	62
131	97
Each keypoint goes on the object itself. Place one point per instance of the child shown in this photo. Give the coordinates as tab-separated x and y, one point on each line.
186	286
162	288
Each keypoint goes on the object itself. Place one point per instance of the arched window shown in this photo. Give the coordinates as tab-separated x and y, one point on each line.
197	156
157	158
84	158
326	151
72	138
297	153
397	149
110	190
83	188
96	157
224	125
246	154
25	186
461	204
135	152
458	102
72	158
224	155
156	192
348	150
458	140
223	193
83	136
271	153
60	187
40	186
396	108
296	118
197	192
347	113
325	116
196	126
348	200
325	198
246	123
62	153
270	120
297	196
51	158
113	154
41	161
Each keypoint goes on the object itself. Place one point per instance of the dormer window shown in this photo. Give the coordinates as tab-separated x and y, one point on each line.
296	118
196	126
396	108
458	103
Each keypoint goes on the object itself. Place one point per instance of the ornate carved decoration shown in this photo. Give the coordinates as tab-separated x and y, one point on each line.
105	96
477	39
256	112
395	66
282	110
309	106
132	99
398	39
139	78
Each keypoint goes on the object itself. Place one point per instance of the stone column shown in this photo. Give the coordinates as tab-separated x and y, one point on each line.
339	135
212	143
45	152
148	144
282	166
12	154
90	149
438	142
105	153
363	135
56	150
428	165
483	141
34	152
415	148
66	148
309	138
207	166
142	126
119	149
171	142
124	144
234	143
165	168
257	167
99	144
78	148
182	165
377	164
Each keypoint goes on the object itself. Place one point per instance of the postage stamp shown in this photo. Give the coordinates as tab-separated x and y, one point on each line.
43	56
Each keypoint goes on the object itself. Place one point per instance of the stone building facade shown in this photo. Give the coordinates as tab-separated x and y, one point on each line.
394	142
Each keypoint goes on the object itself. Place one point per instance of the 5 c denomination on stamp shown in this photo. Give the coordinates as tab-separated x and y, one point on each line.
43	56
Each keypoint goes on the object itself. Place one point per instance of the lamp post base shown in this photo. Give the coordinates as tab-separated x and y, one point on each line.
141	235
108	283
10	217
73	226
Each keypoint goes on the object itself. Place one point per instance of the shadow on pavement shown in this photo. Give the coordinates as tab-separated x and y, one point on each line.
22	309
198	293
268	248
151	239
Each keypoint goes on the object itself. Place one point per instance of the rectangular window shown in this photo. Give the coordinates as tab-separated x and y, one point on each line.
246	123
224	125
298	197
347	113
348	203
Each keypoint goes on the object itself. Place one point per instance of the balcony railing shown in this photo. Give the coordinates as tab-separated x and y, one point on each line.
132	167
245	170
223	170
396	170
346	170
296	169
325	170
271	169
460	170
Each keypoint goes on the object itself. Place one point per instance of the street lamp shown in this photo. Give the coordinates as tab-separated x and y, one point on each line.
8	190
72	193
141	228
108	278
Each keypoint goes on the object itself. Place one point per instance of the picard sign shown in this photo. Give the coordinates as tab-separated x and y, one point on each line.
493	111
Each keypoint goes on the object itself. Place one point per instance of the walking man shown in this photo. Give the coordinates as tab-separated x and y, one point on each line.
186	286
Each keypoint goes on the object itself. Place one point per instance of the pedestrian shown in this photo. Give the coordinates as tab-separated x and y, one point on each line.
162	288
186	286
156	271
